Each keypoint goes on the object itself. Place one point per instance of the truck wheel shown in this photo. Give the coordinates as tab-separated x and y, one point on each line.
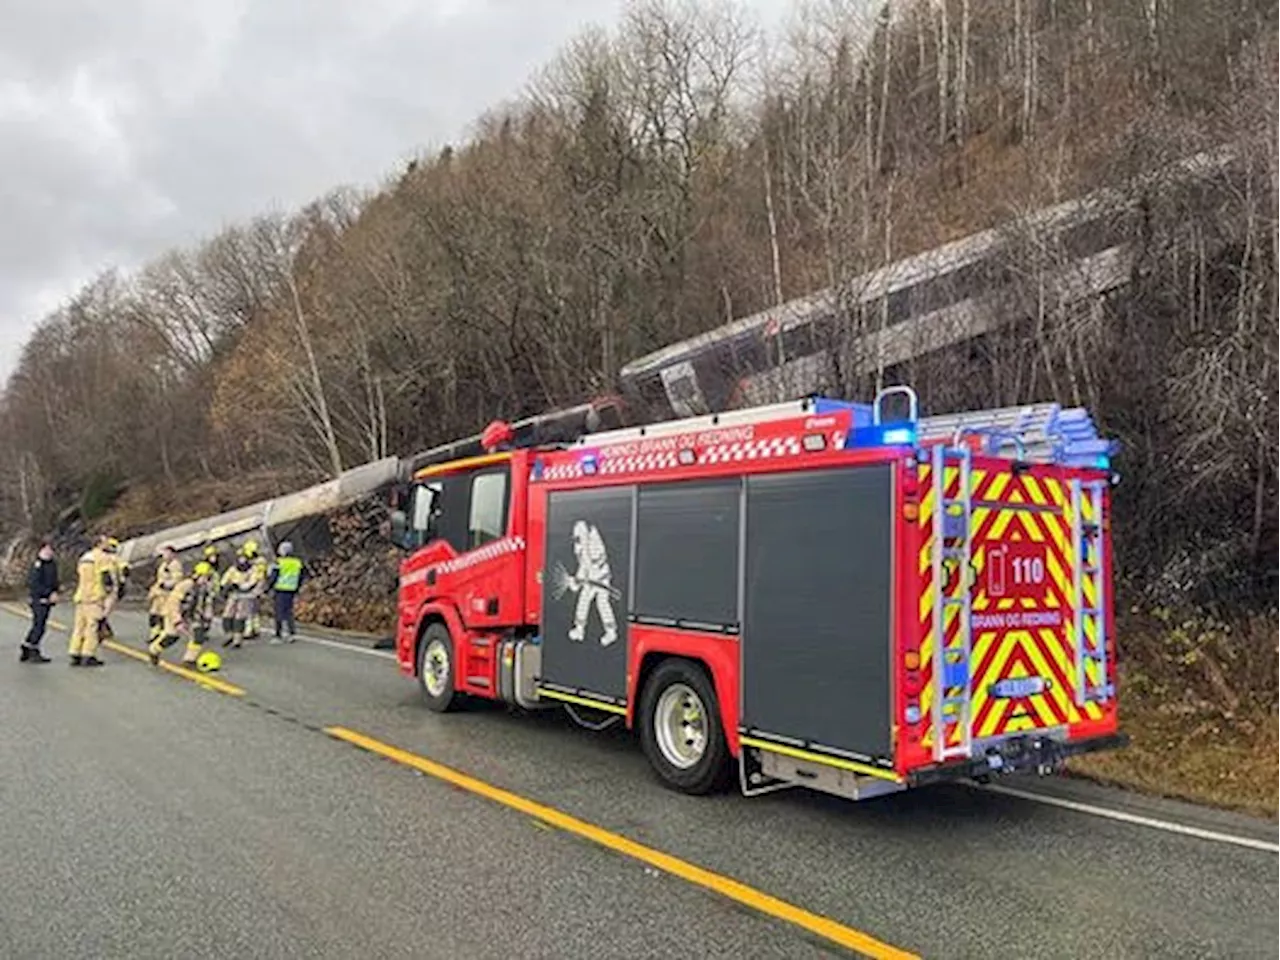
680	728
435	668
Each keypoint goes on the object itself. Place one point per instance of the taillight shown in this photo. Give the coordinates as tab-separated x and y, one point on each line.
912	684
910	479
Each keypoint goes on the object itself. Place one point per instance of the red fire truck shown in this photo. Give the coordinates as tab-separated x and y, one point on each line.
807	593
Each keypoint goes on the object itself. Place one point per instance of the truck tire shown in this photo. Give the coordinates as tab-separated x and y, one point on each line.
680	728
436	668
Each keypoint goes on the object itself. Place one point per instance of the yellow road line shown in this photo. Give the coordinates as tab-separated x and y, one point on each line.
20	611
212	683
819	926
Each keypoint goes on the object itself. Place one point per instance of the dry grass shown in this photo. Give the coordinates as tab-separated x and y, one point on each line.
1201	758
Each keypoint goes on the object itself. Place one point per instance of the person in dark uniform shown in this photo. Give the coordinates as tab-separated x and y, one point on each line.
42	590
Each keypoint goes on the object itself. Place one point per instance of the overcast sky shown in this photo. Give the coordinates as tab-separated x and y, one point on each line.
129	126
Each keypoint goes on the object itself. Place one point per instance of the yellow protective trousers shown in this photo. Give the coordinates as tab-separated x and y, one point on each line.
195	635
84	630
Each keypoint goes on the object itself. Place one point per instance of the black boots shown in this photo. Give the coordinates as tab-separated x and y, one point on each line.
31	655
79	661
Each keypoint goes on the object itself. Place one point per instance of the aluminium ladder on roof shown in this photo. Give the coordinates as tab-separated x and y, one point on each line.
710	421
1042	433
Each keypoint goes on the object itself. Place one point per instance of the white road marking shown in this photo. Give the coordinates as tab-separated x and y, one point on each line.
349	647
1165	825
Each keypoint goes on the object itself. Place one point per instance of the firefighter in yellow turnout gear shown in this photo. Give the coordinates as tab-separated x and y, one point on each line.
169	574
227	591
256	589
187	613
96	586
120	574
240	583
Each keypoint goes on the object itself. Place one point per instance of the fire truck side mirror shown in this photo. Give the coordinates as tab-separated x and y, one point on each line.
398	529
398	496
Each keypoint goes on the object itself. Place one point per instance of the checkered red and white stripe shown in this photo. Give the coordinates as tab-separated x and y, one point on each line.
563	471
642	461
751	450
613	466
763	449
495	548
489	551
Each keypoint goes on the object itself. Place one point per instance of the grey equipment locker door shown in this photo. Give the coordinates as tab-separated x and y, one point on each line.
816	641
584	591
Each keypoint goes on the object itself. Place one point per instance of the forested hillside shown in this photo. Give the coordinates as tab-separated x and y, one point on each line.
682	170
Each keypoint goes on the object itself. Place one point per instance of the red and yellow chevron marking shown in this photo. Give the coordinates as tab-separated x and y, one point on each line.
1009	509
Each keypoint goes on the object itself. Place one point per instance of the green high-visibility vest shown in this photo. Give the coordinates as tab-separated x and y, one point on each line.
288	574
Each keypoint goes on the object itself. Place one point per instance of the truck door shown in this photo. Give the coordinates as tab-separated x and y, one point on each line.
483	577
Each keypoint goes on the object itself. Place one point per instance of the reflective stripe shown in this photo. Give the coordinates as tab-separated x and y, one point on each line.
288	574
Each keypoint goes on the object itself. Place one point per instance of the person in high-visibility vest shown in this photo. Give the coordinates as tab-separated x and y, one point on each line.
169	574
96	573
285	578
187	612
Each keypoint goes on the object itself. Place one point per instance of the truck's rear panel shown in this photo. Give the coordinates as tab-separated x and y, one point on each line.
1025	559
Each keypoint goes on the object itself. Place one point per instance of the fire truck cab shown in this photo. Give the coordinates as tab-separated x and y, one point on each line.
802	594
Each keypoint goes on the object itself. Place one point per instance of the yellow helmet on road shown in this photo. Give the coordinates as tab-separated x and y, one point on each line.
208	662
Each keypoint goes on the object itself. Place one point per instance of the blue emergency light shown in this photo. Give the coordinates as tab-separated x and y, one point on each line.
897	436
883	435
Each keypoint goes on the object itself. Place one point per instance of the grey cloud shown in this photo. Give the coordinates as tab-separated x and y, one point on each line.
131	126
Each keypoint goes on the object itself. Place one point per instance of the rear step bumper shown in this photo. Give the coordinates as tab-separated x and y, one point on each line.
1016	755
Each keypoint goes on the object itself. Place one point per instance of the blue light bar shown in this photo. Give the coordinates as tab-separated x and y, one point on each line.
897	436
885	435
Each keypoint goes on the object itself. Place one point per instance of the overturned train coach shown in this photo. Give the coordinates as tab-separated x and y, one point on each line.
801	594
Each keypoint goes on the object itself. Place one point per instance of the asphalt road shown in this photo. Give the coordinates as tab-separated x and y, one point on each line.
142	815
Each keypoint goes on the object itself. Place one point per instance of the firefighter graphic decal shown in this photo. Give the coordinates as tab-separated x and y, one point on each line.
592	583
